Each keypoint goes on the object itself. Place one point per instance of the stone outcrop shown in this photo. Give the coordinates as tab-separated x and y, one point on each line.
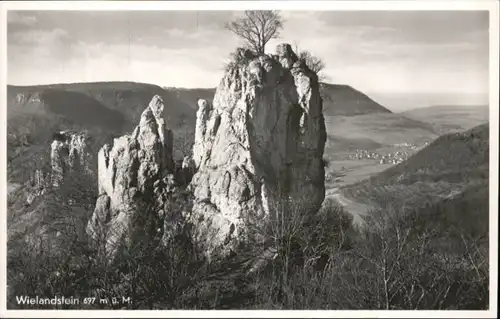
134	183
259	146
69	153
200	137
188	167
38	185
70	156
28	97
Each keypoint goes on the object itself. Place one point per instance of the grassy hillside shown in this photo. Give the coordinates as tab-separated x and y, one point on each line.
122	101
376	132
191	96
364	137
451	118
73	106
451	153
337	99
382	128
347	101
104	109
444	169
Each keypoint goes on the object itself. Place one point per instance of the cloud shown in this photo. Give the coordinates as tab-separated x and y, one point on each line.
371	50
109	62
40	47
17	18
39	37
413	26
119	26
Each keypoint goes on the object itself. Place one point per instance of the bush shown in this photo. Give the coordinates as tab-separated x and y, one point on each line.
403	260
304	249
326	162
314	63
239	58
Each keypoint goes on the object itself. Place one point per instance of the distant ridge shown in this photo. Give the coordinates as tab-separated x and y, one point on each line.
191	96
451	118
447	106
338	99
127	98
346	101
104	109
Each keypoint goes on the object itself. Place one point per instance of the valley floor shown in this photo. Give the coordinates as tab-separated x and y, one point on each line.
346	172
357	210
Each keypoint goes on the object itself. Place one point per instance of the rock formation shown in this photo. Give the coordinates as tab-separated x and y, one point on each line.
202	116
38	185
69	153
188	168
260	145
134	182
28	97
69	156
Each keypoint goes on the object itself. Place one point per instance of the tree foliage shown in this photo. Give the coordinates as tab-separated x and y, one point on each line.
313	62
256	28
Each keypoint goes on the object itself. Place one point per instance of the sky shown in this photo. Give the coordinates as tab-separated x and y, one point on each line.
404	59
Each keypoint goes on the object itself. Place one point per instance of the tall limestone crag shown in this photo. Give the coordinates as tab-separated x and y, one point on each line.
134	182
38	185
258	146
69	153
70	157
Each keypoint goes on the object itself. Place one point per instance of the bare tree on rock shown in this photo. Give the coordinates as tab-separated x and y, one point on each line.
314	63
256	28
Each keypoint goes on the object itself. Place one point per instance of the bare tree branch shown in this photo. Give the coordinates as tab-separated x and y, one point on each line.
257	28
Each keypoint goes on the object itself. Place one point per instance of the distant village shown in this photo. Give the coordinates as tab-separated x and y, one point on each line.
389	158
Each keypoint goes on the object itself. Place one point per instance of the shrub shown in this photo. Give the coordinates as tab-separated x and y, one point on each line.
239	58
403	260
326	162
396	263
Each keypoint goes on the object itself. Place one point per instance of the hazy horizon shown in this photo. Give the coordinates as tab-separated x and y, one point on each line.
400	59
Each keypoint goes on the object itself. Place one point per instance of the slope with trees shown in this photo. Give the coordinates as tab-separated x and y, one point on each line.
445	168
